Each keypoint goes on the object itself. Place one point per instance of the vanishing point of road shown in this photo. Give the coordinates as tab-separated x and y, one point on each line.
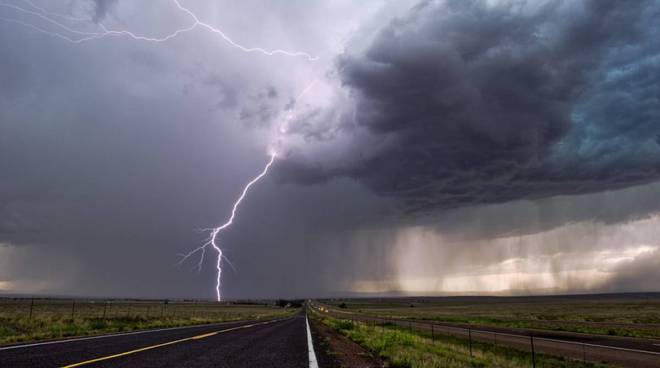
279	343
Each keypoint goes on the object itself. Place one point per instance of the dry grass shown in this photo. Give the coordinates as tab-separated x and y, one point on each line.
53	318
402	348
633	316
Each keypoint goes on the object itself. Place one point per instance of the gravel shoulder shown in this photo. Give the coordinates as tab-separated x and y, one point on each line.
334	350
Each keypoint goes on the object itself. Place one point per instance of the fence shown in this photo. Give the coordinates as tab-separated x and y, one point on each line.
529	343
40	308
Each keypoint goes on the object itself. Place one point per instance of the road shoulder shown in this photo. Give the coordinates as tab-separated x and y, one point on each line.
334	350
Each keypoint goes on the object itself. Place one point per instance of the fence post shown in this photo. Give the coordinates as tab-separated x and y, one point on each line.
105	308
31	306
432	334
584	353
531	340
73	309
162	310
470	340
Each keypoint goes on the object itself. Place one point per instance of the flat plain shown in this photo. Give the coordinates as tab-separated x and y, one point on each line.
27	319
548	331
630	315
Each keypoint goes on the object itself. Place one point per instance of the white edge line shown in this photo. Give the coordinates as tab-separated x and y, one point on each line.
118	334
310	347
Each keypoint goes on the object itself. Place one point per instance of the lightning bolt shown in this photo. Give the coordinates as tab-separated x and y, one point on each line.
82	36
66	32
212	240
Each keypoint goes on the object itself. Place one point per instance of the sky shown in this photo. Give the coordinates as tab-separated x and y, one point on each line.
443	147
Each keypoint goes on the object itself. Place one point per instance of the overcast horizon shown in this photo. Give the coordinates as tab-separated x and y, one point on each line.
495	147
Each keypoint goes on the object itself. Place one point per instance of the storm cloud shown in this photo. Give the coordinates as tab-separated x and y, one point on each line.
517	136
472	102
101	8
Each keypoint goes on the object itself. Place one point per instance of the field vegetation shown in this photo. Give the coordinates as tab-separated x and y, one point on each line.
29	320
634	315
415	349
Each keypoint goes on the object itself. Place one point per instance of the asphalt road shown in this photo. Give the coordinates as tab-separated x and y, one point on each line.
281	343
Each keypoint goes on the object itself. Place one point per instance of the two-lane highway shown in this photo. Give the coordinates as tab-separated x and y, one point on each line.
280	343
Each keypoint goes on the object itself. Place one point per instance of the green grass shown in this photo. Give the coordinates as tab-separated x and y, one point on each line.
52	318
405	349
632	317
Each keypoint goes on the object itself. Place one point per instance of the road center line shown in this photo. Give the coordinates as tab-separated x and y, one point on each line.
198	337
310	347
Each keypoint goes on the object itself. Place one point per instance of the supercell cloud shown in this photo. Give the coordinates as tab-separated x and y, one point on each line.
501	146
476	102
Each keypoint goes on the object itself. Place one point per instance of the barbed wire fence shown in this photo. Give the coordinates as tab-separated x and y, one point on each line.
534	345
49	308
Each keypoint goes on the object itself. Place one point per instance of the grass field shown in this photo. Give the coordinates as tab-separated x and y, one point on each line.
405	349
28	320
634	315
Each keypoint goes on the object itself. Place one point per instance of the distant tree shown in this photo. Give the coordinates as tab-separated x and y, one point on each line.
283	303
343	306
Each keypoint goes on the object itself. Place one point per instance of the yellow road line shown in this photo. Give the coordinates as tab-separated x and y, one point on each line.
205	335
198	337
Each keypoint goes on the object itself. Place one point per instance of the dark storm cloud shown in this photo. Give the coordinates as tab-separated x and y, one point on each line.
261	108
113	152
521	218
105	147
101	8
641	273
485	103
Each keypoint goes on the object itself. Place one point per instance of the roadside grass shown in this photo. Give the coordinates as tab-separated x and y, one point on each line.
53	321
617	317
405	349
638	332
